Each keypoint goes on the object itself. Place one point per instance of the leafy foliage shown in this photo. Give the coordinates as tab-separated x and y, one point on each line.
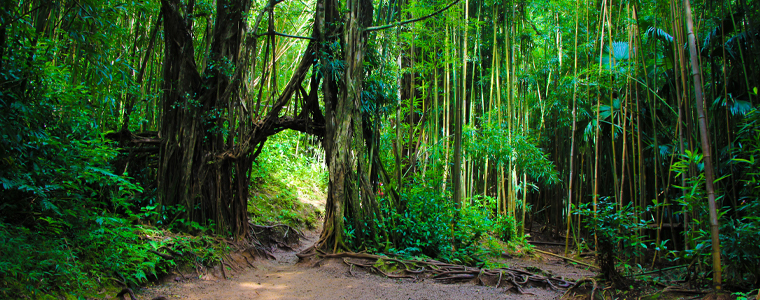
290	168
493	141
66	218
68	223
612	226
739	236
425	227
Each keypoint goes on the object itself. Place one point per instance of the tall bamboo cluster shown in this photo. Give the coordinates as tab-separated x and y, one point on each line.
605	89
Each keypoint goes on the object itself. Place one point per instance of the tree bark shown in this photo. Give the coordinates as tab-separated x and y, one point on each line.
195	176
348	187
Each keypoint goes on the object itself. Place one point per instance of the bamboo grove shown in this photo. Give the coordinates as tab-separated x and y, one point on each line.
564	104
638	117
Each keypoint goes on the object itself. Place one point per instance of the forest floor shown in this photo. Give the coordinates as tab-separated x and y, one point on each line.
287	278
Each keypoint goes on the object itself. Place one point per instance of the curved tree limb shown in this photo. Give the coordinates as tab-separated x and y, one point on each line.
375	28
272	32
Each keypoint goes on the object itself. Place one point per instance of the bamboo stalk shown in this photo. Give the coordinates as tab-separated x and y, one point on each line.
572	133
705	140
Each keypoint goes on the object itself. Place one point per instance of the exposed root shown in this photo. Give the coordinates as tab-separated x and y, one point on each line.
126	291
249	263
278	235
221	266
373	268
578	284
442	272
164	256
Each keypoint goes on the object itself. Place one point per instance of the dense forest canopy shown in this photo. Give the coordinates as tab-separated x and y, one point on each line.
628	127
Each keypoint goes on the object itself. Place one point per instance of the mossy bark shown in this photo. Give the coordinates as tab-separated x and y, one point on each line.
349	192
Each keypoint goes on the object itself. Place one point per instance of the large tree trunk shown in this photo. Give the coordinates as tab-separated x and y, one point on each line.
209	138
199	177
348	188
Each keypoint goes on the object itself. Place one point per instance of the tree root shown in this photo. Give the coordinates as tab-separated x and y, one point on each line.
221	266
444	272
249	263
351	264
578	284
125	291
128	291
268	237
164	256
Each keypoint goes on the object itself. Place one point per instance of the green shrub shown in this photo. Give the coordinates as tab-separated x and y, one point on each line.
616	229
740	250
424	225
68	222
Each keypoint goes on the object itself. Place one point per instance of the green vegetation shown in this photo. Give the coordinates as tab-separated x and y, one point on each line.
288	182
69	223
429	129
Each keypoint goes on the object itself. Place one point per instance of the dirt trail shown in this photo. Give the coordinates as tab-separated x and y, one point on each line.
284	278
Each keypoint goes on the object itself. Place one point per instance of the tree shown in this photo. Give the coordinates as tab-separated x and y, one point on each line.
203	168
349	192
210	136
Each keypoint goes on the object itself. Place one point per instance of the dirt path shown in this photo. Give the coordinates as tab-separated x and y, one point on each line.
284	278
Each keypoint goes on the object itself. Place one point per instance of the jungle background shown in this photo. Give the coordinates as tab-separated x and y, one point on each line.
140	130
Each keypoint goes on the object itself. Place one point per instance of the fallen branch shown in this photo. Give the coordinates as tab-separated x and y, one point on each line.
566	258
657	271
676	289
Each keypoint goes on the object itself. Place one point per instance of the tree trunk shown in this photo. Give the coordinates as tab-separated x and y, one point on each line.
202	178
349	192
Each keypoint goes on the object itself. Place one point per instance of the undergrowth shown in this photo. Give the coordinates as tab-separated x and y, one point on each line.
94	257
425	229
70	224
289	172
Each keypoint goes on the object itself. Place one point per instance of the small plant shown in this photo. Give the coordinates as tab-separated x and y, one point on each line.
739	235
617	235
430	226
